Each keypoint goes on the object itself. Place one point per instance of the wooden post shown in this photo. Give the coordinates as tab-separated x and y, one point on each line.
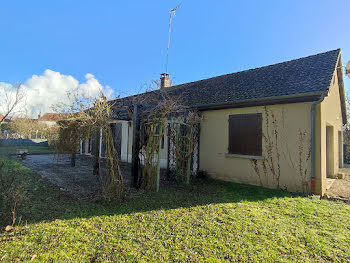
178	147
158	160
96	165
135	147
188	170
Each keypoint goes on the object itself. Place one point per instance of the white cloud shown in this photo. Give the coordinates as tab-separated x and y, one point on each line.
51	88
92	87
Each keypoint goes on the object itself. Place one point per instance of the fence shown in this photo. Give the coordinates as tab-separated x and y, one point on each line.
10	142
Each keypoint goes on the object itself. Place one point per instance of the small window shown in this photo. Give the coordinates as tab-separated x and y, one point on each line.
245	134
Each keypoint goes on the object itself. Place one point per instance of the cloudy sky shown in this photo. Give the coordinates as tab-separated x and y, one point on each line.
51	46
51	88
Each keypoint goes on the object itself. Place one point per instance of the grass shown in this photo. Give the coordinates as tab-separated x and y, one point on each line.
7	150
208	221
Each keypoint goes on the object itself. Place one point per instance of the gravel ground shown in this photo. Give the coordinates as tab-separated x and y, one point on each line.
341	187
78	181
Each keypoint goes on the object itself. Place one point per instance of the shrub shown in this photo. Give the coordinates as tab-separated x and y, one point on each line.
12	195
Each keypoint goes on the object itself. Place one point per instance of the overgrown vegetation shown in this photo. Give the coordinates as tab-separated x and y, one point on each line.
12	191
83	119
161	114
205	221
27	128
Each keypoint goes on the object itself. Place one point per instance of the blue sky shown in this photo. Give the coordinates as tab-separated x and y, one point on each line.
123	43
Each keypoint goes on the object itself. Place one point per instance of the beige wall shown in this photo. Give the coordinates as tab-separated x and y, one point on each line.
287	166
329	117
290	158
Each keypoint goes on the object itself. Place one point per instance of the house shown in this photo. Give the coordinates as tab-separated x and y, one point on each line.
278	126
49	119
2	117
4	126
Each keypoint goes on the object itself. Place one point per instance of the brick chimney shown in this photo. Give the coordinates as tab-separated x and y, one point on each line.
164	81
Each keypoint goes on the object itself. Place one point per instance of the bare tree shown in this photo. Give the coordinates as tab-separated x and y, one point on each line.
86	118
12	101
346	127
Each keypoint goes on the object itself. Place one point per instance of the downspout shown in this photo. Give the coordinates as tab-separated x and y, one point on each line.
313	140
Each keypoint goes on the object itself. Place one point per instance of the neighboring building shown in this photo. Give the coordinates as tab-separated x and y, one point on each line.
279	126
4	127
50	119
5	120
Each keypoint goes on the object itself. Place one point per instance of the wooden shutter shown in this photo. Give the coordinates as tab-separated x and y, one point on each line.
245	134
234	145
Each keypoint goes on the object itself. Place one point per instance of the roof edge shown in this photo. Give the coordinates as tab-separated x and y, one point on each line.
295	98
339	71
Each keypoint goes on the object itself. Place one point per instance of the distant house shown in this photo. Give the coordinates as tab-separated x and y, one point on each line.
50	119
278	126
4	126
2	118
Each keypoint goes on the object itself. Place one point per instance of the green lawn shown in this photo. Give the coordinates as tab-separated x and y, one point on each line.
4	149
209	221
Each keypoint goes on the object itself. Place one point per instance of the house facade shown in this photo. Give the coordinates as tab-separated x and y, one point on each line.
278	126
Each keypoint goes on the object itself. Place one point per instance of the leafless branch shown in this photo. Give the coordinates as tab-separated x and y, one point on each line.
12	102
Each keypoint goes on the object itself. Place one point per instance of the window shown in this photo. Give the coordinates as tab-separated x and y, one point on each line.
245	134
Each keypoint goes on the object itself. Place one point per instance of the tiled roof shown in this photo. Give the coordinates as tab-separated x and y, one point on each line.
5	120
306	76
50	117
311	74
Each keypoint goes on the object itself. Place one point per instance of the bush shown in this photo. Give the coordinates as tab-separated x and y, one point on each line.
202	174
12	195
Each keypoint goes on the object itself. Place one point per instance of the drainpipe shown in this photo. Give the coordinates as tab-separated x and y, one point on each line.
313	141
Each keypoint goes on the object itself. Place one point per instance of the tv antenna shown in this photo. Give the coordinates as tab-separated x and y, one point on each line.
172	13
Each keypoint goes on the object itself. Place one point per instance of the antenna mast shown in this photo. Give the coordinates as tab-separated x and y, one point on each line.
172	13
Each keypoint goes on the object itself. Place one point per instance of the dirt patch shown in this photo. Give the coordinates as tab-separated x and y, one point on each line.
78	181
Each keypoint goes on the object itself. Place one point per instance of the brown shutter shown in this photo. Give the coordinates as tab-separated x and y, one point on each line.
234	133
245	134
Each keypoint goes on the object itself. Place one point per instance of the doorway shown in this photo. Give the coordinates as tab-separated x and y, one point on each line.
340	149
330	151
117	135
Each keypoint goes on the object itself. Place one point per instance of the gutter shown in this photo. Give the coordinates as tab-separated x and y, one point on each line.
313	140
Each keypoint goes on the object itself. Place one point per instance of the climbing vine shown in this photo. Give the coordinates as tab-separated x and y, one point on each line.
277	152
81	121
155	110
